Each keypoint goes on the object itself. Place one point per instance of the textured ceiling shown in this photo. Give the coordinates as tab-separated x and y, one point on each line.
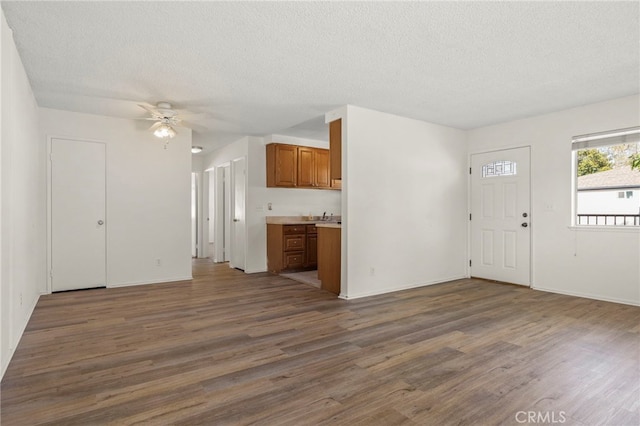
260	68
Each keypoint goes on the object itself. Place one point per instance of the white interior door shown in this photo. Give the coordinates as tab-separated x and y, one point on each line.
501	216
238	227
222	218
226	219
194	215
78	220
211	214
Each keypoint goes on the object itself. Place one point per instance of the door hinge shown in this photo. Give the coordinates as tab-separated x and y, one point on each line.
51	156
469	170
469	216
51	273
469	262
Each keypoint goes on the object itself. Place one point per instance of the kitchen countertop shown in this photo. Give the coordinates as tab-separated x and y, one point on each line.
328	225
302	220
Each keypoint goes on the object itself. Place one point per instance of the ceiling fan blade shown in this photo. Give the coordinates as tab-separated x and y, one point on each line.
155	126
146	118
150	109
194	116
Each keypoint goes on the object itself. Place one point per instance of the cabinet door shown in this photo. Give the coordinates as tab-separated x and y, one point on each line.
335	146
312	250
306	166
286	165
322	170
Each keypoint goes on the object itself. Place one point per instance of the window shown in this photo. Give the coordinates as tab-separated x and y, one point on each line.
499	168
607	172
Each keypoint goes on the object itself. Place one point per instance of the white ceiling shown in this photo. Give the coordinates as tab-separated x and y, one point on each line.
260	68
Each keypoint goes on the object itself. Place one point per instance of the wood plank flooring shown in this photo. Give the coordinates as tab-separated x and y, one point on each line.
229	348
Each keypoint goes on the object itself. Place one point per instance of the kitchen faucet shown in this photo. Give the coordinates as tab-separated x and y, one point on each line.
324	216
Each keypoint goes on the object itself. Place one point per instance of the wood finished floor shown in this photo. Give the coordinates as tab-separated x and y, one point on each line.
229	348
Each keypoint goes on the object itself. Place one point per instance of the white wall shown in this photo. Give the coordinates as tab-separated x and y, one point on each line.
284	201
22	200
601	264
148	195
405	217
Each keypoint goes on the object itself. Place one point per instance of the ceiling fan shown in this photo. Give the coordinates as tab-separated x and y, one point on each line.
166	118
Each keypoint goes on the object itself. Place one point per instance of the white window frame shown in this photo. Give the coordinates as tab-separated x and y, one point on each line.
597	140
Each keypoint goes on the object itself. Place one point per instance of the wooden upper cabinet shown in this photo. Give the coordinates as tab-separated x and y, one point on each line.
282	165
306	167
313	168
309	169
335	147
323	179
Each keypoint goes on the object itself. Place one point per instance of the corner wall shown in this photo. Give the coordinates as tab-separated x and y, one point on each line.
22	199
148	195
406	203
595	263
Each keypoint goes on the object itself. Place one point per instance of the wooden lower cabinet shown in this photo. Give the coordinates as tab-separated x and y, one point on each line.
311	252
293	242
291	247
329	258
293	260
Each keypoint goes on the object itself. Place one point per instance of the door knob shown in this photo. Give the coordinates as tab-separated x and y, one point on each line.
236	220
524	224
101	222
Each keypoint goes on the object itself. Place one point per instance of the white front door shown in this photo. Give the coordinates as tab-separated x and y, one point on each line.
238	227
78	220
501	216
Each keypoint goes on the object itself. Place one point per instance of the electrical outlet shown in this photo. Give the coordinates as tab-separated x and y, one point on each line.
158	262
269	206
372	271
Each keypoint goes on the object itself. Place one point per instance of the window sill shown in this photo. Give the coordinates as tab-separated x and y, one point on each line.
610	228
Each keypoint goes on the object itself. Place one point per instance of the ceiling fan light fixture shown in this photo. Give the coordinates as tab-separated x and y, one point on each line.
196	149
164	131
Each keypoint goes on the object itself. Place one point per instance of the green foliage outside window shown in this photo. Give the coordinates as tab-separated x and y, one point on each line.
592	161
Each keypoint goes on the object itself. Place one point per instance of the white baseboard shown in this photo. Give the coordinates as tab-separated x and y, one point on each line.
254	271
589	296
14	345
401	288
163	280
